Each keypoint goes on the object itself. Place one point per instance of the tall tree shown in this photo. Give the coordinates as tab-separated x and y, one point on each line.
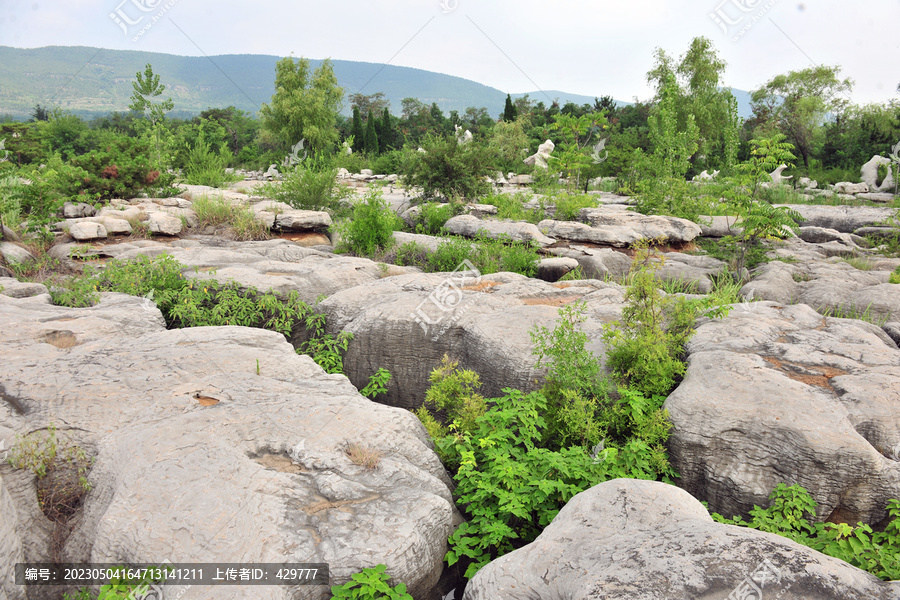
358	133
146	88
371	135
799	102
304	106
509	111
369	103
385	130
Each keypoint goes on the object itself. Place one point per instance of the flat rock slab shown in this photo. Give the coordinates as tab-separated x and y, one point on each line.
626	539
408	323
649	227
471	227
612	235
780	394
220	444
845	219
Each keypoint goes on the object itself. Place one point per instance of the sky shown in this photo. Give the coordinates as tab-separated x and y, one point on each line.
589	47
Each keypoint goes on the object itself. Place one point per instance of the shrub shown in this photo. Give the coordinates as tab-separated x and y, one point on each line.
433	216
450	254
789	516
370	584
242	224
895	276
449	168
119	169
309	186
370	228
388	163
204	166
569	205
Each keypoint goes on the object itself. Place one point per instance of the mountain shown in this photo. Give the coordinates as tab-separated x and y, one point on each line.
94	81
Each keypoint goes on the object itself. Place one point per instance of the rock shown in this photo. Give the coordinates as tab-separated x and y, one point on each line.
845	187
780	394
116	226
650	227
14	253
845	219
626	539
8	234
597	263
541	158
12	287
366	172
777	177
72	210
878	233
392	178
272	172
705	176
719	226
554	269
821	235
303	220
893	330
869	174
772	281
522	180
166	224
223	419
807	183
694	272
884	197
343	173
614	235
471	227
407	323
11	549
429	242
85	231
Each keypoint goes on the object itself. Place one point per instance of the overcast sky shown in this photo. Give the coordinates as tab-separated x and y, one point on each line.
590	47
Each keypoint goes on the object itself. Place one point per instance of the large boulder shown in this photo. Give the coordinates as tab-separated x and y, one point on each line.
85	231
846	187
626	539
845	219
780	394
597	263
650	227
869	174
218	443
473	227
541	158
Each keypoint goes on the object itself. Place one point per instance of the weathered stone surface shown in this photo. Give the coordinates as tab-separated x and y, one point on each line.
669	229
821	235
407	323
613	235
780	394
12	287
11	549
626	539
878	232
845	219
553	269
884	197
165	224
86	230
845	187
869	174
8	234
541	158
471	227
893	330
807	183
719	226
303	220
694	272
116	226
597	263
202	453
71	210
14	253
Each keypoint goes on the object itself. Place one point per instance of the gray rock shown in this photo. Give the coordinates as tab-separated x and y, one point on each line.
429	242
650	227
780	394
84	231
8	234
807	183
845	219
885	197
821	235
719	226
11	549
12	287
626	539
613	235
893	330
471	227
773	281
14	253
882	233
541	158
869	174
72	210
303	220
228	423
116	226
554	269
694	272
845	187
163	223
597	263
366	172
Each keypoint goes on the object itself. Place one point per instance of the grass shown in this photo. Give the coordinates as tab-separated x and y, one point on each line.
800	277
363	456
512	206
860	263
852	312
240	222
576	274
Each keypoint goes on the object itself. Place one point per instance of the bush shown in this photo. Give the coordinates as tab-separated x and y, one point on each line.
877	552
388	163
512	206
241	222
370	228
121	169
433	216
895	276
370	584
306	187
450	254
207	167
569	205
448	168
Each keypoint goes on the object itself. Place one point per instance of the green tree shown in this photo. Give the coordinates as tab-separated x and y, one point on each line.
371	136
357	131
509	111
387	135
304	106
147	88
798	103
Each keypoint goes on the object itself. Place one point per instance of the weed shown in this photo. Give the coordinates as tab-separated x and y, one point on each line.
895	276
364	456
370	584
377	384
371	227
861	263
576	274
851	311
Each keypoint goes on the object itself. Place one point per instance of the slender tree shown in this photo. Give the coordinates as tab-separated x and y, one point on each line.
357	131
509	111
371	135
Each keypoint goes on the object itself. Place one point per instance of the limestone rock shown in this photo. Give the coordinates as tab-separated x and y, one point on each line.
471	227
668	229
540	159
719	226
84	231
597	263
14	253
869	174
845	219
807	183
554	269
12	287
780	394
303	220
71	210
613	235
166	224
845	187
626	539
777	177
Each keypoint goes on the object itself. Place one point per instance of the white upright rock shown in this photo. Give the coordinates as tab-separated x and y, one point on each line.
541	158
777	177
869	174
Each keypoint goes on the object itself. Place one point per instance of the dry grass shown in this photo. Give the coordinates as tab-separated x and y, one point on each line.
364	456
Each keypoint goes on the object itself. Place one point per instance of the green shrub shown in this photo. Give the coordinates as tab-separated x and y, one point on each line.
512	206
448	168
205	166
569	205
370	584
370	228
120	169
877	552
309	187
388	163
412	254
450	254
241	223
433	216
895	276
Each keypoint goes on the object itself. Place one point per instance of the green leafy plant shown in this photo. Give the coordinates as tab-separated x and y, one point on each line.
449	168
895	276
325	349
432	217
240	222
377	385
791	515
371	227
370	584
311	185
